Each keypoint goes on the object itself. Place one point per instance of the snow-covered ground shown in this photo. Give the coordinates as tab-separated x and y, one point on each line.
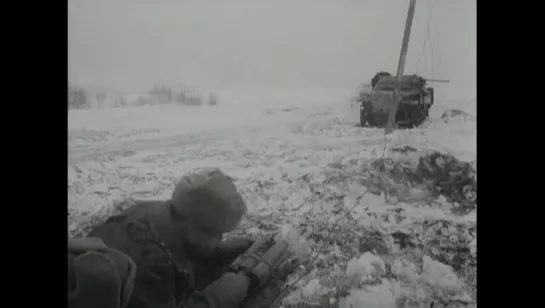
298	158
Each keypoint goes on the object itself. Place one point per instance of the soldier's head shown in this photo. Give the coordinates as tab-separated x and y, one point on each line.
210	204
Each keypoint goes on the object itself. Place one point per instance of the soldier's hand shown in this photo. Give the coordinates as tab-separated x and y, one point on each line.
229	249
228	291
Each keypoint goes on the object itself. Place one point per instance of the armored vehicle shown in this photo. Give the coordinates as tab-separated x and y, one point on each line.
416	100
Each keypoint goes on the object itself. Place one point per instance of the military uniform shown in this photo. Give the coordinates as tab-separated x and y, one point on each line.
98	276
167	238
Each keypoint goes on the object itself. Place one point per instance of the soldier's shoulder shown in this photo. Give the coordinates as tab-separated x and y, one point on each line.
140	208
122	222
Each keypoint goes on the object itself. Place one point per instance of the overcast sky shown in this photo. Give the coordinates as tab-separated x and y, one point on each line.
130	45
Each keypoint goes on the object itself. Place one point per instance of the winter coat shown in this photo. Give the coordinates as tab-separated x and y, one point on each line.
150	234
163	237
94	268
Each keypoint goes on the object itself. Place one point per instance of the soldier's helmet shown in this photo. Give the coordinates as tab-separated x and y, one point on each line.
377	77
209	200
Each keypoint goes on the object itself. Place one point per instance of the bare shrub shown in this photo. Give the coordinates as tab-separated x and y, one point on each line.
77	98
188	96
180	97
183	95
193	100
212	99
121	102
146	101
101	97
162	94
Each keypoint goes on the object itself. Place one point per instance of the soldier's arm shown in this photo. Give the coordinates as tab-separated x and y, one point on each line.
154	285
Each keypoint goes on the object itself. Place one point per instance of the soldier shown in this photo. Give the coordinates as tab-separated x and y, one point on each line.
98	276
377	77
178	247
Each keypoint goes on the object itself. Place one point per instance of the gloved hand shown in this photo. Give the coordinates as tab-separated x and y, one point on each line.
210	266
228	291
229	249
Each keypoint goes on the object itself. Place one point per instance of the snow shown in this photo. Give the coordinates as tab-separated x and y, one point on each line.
373	296
366	264
296	156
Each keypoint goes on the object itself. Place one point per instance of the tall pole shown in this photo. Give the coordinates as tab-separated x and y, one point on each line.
390	124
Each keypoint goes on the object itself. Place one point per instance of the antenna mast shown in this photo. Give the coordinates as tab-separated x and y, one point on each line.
390	124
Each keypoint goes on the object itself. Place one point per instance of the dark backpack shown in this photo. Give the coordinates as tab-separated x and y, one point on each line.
98	276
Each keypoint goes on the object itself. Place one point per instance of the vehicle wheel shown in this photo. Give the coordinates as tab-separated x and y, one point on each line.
366	115
363	117
423	115
371	120
416	116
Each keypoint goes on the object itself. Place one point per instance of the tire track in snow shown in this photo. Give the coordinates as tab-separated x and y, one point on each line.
294	124
79	154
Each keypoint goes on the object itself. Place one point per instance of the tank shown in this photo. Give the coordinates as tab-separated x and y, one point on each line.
414	106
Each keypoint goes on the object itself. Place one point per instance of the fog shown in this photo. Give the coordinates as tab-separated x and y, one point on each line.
130	45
